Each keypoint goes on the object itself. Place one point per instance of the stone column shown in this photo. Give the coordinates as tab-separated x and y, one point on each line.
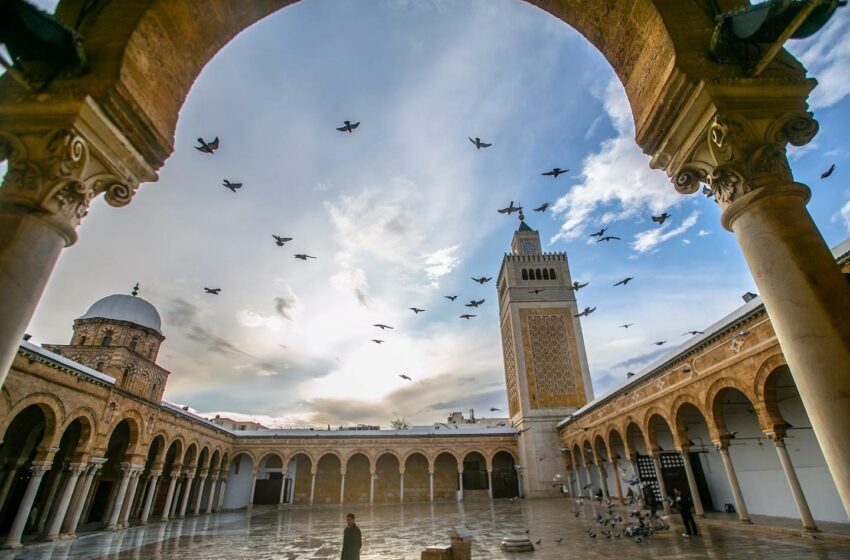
250	505
806	518
692	482
656	463
341	487
460	485
401	486
603	482
188	479
43	504
118	500
202	481
54	172
431	484
70	526
74	471
37	470
723	448
312	486
211	497
127	507
11	473
169	495
740	154
221	490
152	485
371	487
617	481
175	503
587	486
490	483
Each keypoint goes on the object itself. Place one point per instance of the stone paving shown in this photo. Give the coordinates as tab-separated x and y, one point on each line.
392	532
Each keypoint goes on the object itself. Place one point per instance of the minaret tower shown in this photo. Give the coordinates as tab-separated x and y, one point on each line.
545	361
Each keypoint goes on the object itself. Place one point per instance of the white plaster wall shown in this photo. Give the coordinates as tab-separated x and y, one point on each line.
238	489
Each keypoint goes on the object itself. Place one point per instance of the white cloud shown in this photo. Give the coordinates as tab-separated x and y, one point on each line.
844	215
649	239
618	174
441	262
686	241
253	319
827	58
703	232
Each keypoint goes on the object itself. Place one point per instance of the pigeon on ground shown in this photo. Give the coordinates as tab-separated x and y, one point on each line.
509	209
450	298
608	238
207	147
304	257
348	126
279	241
587	311
467	316
416	310
478	143
624	281
542	207
213	291
382	326
555	172
828	172
660	219
403	376
232	186
483	280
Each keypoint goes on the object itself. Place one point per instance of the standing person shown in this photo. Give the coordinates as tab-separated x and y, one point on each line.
649	500
351	541
683	504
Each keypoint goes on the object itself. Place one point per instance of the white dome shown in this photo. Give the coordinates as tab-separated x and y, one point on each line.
122	307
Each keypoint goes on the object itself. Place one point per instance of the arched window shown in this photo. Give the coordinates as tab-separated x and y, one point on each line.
82	340
545	274
133	342
99	367
538	275
524	274
552	274
107	339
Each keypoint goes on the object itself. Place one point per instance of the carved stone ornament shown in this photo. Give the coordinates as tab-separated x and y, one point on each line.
55	175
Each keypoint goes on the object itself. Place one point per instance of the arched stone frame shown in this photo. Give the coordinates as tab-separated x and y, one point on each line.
136	446
54	414
587	445
159	457
577	454
293	453
650	440
680	434
215	461
284	459
488	465
89	432
717	425
225	461
353	453
499	449
629	424
411	452
610	430
766	405
437	452
333	452
600	447
189	460
376	454
179	452
203	458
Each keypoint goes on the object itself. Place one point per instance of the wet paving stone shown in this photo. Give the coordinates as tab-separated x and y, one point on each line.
393	532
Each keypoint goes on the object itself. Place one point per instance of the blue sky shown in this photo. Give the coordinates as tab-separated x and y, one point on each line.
403	211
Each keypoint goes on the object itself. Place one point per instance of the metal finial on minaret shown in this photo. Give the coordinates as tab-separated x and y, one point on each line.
521	216
135	291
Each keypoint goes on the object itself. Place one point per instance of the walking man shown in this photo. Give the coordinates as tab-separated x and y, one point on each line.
351	542
683	504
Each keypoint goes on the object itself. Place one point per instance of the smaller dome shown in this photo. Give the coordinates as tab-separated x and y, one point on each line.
122	307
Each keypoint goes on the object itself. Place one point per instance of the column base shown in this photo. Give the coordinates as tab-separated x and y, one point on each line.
811	530
745	521
8	546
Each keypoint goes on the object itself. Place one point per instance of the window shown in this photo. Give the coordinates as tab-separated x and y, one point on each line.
524	274
133	342
538	275
552	274
545	274
83	340
107	339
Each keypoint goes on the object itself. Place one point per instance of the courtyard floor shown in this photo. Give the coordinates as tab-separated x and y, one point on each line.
402	532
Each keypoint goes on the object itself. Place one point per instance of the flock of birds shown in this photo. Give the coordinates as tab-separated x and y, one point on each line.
349	127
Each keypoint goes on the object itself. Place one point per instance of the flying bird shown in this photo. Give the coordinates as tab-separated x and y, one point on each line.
693	333
660	219
213	291
608	238
450	298
630	374
577	286
495	410
542	207
416	310
482	280
377	341
627	325
232	186
625	281
467	316
304	257
536	291
478	143
474	303
382	326
599	233
587	311
403	376
555	172
742	334
510	209
207	147
348	126
828	172
660	342
279	241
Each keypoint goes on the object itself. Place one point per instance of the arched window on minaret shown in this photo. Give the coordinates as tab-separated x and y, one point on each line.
552	274
107	338
545	274
525	274
538	275
83	340
133	342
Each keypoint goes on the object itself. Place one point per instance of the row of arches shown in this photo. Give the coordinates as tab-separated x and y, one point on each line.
539	274
739	448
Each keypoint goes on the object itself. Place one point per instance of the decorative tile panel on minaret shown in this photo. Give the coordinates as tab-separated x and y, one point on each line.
546	370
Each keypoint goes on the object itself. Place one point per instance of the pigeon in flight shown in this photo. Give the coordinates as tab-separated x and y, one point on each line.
467	316
474	303
693	333
348	126
403	376
495	410
608	238
416	310
577	286
828	172
630	374
742	334
660	342
542	207
279	241
232	186
599	233
478	143
482	280
537	291
510	209
624	281
382	326
207	147
304	257
555	172
627	325
450	298
660	219
377	341
587	311
213	291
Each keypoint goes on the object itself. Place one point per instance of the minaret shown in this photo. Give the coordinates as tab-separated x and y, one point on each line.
545	361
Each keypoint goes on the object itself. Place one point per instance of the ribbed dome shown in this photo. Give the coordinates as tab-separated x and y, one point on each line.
122	307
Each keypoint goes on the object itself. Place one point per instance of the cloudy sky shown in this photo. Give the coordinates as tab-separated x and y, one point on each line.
402	211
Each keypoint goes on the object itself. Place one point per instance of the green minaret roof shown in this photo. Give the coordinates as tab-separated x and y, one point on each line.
524	227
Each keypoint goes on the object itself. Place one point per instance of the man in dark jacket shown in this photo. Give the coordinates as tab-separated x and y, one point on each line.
351	541
683	504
